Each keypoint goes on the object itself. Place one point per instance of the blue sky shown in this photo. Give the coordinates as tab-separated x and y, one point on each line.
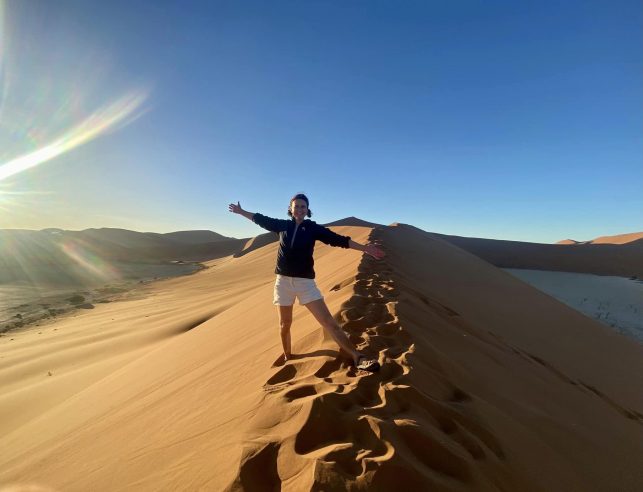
498	119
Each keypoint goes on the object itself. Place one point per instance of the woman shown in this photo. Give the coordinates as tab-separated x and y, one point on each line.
295	273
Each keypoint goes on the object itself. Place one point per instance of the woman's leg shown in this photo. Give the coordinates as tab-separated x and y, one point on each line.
322	315
285	321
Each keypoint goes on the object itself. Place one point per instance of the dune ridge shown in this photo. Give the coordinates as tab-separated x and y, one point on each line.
616	239
362	431
486	384
338	443
413	426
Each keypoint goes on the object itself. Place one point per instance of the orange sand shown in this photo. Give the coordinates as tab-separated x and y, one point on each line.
618	239
486	384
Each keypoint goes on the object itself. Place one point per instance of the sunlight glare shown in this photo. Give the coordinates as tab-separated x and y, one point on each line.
96	124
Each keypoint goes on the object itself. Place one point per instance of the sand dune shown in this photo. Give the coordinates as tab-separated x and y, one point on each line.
618	239
257	242
624	260
486	384
56	258
352	221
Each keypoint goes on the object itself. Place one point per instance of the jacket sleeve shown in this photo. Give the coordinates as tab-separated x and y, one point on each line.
273	225
331	238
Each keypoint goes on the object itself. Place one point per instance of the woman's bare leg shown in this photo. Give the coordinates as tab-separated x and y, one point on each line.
285	321
322	315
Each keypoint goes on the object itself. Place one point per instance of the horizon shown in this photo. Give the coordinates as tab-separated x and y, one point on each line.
344	218
497	120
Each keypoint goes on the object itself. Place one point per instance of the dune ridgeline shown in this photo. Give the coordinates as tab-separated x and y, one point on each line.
486	383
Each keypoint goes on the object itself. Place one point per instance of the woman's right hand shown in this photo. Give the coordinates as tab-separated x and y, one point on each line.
235	209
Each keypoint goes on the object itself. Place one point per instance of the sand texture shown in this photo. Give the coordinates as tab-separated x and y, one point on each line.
486	384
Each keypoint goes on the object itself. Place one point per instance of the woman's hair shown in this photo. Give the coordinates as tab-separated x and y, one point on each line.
299	196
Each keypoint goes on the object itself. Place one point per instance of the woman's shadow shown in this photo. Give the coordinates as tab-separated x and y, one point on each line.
279	362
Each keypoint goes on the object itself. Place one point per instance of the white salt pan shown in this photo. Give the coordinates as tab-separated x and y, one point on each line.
615	301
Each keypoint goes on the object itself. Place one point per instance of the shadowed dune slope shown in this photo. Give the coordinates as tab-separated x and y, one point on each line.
352	221
623	260
56	258
189	252
486	384
257	242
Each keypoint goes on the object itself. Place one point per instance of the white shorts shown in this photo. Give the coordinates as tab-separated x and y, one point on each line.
287	288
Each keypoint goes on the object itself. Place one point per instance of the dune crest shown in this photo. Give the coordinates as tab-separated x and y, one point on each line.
486	384
617	239
424	422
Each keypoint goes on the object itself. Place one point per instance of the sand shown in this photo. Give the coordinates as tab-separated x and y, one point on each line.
23	304
615	301
620	257
486	384
618	239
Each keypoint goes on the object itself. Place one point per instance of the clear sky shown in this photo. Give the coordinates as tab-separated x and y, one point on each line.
497	119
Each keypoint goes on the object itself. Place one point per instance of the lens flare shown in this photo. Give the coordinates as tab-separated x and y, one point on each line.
52	257
123	110
89	260
3	48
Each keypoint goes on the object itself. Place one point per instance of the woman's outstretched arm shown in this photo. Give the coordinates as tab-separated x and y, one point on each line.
325	235
369	248
236	209
268	223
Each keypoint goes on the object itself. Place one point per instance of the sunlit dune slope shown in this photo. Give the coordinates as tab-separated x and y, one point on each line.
624	259
198	347
486	384
618	239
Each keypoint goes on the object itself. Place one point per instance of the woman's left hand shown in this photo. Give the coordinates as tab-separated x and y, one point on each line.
374	251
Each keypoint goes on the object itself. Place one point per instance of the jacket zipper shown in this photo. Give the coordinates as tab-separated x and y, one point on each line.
292	242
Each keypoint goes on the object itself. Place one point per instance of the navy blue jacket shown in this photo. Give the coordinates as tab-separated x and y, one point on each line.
296	244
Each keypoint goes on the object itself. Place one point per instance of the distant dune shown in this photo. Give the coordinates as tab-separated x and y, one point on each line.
353	221
618	239
257	242
196	237
54	257
623	260
486	383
